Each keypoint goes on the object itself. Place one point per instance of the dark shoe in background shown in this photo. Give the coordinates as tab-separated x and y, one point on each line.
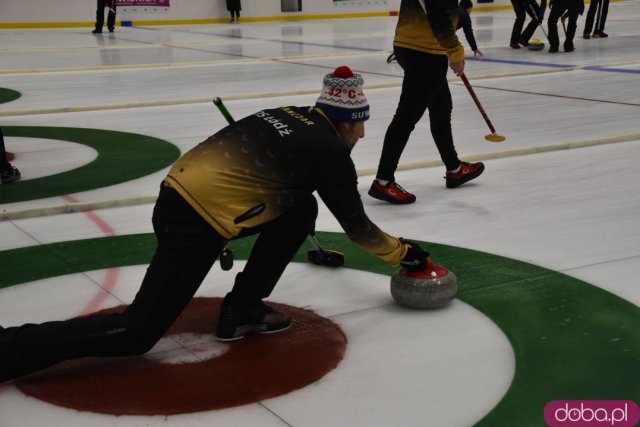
10	175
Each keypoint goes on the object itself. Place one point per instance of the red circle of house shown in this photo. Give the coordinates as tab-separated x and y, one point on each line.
255	368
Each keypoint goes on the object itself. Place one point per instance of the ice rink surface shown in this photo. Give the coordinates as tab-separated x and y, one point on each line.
560	193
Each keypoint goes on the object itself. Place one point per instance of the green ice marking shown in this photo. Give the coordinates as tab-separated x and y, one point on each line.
8	95
571	339
121	157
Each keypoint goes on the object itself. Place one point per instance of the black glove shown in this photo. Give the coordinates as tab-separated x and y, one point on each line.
415	259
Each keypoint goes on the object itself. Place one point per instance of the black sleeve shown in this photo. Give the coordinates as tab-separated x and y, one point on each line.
439	13
337	185
464	21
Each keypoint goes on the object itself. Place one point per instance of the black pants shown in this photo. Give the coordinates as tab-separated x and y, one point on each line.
187	248
4	163
424	86
522	8
598	10
111	16
558	9
234	13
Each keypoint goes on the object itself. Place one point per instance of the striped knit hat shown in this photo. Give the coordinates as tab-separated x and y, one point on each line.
342	98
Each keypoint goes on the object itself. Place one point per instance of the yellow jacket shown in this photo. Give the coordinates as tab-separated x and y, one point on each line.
253	171
429	26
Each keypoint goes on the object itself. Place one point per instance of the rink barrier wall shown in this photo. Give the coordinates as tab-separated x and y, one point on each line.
74	13
224	20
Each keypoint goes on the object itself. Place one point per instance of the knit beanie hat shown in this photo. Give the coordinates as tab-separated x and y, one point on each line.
342	98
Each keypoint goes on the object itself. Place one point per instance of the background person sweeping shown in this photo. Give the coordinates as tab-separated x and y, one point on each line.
559	9
464	22
256	176
111	16
425	45
598	10
522	8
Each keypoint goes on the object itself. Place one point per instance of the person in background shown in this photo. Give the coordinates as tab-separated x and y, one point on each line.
425	46
522	8
8	172
234	7
464	22
564	9
111	16
256	176
598	9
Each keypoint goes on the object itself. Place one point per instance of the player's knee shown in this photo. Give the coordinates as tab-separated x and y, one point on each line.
307	214
407	119
311	209
441	117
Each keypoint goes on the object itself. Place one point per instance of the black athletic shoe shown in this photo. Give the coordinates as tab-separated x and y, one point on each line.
111	30
553	49
586	36
10	175
569	48
97	31
600	34
235	324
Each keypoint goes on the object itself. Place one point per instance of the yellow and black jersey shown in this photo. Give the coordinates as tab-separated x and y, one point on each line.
429	26
254	170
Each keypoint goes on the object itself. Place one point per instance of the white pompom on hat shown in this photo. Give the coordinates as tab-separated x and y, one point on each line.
342	98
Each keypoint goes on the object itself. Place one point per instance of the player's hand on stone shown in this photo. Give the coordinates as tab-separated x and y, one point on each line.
416	257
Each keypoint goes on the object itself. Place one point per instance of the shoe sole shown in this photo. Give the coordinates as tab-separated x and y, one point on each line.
458	182
390	199
11	179
242	331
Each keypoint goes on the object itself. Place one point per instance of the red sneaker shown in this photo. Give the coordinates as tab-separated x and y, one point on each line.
467	172
391	193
